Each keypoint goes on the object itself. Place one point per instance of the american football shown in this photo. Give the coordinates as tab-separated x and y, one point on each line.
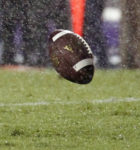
71	56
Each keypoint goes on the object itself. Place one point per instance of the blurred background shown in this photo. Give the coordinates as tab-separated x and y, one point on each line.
111	27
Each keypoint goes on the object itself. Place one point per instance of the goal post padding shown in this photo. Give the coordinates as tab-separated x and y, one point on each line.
77	15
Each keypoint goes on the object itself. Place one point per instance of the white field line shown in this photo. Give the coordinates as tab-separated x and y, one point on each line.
43	103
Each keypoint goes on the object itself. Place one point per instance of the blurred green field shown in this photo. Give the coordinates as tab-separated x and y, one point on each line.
41	111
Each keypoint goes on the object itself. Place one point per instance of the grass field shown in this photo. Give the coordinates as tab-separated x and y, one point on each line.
41	111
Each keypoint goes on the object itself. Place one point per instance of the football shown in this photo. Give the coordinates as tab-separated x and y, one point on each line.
71	56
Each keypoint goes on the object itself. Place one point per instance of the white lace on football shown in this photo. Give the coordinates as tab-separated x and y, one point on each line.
85	43
83	63
64	32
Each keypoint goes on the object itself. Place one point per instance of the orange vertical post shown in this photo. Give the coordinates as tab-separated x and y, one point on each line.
77	15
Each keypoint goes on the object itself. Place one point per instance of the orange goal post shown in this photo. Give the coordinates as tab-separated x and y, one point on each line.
77	15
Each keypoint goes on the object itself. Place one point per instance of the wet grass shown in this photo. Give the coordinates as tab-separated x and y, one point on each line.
76	126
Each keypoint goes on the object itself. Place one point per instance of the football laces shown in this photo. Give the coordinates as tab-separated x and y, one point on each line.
84	42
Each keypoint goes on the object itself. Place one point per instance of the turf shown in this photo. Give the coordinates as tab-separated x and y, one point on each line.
70	121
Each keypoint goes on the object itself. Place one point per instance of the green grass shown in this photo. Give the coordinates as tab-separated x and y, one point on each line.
78	125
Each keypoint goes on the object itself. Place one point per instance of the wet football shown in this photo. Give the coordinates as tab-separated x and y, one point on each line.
71	56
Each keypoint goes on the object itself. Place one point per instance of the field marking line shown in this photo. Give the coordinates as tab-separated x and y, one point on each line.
43	103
